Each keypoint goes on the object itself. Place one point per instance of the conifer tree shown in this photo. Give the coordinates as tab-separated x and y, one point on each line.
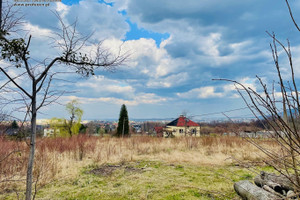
123	124
14	125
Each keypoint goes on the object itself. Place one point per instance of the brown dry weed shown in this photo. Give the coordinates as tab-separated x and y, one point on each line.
65	157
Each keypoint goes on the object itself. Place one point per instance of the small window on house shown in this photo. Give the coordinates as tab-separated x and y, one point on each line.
180	130
193	131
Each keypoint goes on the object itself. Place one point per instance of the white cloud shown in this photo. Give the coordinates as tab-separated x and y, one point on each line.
202	45
62	9
149	98
227	90
246	82
296	63
98	18
201	93
141	98
37	32
101	84
210	44
169	81
119	4
145	57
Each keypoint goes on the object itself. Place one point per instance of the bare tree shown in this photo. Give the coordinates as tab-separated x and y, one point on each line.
92	128
41	75
280	112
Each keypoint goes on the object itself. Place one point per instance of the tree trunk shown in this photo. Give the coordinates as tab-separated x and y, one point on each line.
249	191
272	191
282	181
261	182
32	144
1	14
71	124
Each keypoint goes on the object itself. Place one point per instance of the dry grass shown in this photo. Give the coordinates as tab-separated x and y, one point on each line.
63	158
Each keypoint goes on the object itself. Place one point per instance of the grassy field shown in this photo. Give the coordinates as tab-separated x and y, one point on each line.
139	167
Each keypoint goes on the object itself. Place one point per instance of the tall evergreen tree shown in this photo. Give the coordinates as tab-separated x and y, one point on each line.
14	125
123	124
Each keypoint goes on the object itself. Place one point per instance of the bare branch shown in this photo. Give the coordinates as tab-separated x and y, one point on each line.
13	81
291	14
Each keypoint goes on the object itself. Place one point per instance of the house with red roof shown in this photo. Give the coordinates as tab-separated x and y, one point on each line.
182	126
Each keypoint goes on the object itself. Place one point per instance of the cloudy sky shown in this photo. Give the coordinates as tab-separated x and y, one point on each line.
176	49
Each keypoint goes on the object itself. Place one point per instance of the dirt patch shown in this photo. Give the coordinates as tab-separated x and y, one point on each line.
133	169
6	190
107	170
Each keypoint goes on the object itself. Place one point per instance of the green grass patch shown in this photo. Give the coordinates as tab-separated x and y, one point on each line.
147	180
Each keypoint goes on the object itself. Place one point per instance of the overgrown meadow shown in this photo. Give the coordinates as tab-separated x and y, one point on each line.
139	167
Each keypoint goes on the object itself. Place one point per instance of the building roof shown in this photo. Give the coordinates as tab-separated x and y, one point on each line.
182	121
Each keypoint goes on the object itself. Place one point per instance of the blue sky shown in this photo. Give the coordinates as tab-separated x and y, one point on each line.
176	47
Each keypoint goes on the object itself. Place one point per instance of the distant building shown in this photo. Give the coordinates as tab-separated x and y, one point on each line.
51	132
137	128
182	126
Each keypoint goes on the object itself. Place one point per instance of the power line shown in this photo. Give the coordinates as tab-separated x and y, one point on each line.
215	113
205	114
